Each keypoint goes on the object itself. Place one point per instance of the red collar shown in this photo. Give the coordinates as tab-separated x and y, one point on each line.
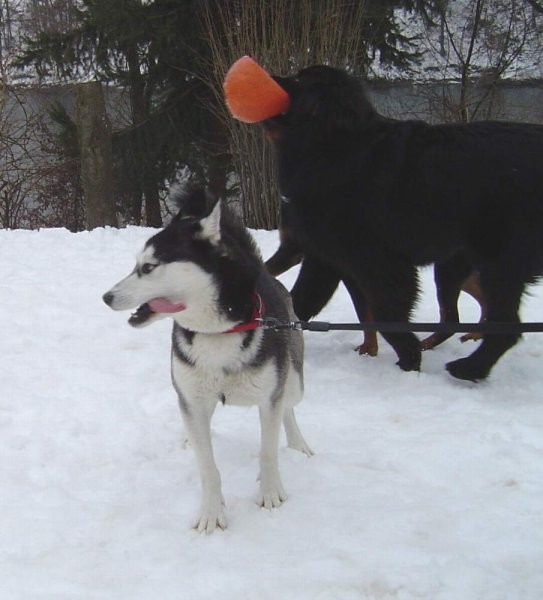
256	317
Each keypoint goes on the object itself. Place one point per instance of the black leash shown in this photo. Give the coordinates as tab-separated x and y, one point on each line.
485	327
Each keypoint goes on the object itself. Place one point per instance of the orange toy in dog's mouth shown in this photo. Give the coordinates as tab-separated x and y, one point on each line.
251	94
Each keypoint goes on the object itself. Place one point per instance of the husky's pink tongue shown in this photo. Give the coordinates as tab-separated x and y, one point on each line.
161	305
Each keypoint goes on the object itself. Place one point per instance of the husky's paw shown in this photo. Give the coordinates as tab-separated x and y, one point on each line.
301	446
211	517
271	496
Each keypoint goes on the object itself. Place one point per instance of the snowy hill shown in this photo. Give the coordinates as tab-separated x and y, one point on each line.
422	487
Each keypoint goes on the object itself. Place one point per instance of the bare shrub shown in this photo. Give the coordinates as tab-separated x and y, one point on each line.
481	43
39	176
283	36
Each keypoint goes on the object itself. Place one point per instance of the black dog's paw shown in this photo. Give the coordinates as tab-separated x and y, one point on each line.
410	363
467	369
409	354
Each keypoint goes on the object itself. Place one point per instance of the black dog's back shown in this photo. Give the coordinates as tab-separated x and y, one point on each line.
441	187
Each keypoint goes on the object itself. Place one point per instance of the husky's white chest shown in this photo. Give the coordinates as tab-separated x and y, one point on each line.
247	387
222	366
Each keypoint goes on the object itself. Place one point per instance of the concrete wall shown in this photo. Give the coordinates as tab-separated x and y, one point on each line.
515	101
433	102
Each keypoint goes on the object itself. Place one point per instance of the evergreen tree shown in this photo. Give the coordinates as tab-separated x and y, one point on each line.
151	49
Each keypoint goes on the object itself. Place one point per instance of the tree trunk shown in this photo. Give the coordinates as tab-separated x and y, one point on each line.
140	113
217	156
94	131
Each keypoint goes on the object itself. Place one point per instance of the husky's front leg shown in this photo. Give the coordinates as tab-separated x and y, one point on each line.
197	419
272	493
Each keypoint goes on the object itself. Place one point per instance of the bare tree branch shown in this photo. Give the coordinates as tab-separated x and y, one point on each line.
536	5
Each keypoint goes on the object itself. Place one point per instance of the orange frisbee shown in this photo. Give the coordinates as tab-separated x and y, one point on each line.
251	94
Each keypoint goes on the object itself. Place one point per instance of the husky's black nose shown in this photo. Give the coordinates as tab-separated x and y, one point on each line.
108	298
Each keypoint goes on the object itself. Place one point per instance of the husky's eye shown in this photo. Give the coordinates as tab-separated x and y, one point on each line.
147	268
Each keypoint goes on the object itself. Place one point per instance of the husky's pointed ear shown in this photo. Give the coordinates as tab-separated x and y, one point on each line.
211	225
192	203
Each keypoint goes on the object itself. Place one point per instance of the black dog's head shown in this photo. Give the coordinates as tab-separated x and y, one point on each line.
322	99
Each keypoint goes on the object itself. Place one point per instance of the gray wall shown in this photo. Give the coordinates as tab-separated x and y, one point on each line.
514	101
434	102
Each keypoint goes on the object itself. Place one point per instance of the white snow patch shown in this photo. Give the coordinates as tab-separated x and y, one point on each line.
422	487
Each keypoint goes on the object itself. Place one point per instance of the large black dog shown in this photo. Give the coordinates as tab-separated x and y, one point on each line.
374	198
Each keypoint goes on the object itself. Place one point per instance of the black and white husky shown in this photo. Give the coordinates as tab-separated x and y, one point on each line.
205	272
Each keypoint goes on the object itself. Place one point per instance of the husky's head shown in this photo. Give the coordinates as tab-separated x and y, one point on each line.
194	270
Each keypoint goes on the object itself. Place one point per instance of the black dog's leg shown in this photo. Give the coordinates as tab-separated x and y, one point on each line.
286	256
472	286
503	300
290	251
449	276
315	285
369	344
392	293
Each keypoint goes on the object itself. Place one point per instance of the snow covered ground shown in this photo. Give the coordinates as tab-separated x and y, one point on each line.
422	487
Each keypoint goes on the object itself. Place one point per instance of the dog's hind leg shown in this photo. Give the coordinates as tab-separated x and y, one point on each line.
295	439
272	493
369	344
503	301
449	276
472	286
